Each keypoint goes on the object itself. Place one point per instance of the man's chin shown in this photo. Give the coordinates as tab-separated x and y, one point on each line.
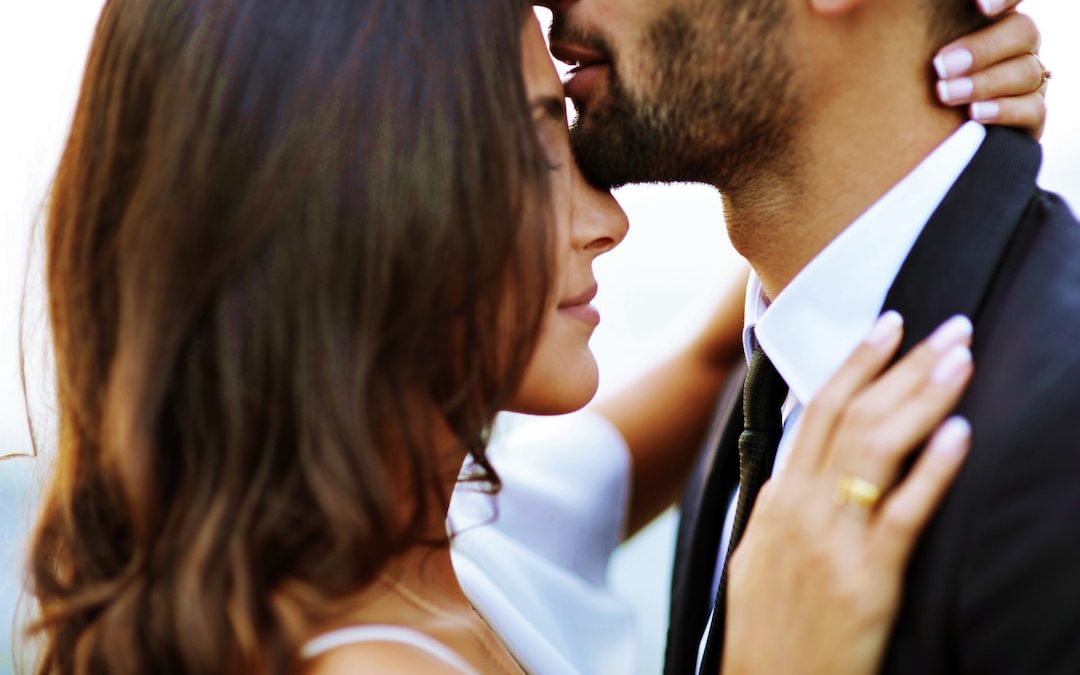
600	170
611	155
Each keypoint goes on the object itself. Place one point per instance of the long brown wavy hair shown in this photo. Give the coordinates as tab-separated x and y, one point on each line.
282	233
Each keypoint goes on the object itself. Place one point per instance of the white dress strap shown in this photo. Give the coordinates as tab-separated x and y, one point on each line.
399	634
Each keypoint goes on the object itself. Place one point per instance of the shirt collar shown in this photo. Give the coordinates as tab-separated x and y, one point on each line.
818	320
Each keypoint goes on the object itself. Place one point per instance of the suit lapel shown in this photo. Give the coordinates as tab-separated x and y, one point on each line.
701	523
956	258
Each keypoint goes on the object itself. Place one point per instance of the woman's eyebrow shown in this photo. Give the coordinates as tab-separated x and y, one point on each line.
552	106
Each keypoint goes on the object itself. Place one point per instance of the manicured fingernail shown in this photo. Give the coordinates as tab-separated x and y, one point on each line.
985	111
953	436
952	365
991	7
955	331
953	62
960	89
886	328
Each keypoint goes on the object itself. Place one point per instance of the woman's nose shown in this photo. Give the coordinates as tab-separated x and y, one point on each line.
599	224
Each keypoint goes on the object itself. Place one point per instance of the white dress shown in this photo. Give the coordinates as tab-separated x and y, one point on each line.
352	635
533	560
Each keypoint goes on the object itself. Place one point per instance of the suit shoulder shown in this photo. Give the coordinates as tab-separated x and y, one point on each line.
1036	295
1056	216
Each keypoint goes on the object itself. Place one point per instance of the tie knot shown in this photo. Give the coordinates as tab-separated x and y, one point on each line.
763	393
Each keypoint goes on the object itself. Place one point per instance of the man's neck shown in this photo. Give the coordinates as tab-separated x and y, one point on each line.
847	156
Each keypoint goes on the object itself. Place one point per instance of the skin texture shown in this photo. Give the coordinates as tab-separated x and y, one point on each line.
776	104
649	88
562	375
658	115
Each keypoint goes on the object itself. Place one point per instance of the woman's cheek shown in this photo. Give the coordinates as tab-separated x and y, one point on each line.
562	376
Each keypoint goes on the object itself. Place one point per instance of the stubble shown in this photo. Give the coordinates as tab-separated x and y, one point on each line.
712	100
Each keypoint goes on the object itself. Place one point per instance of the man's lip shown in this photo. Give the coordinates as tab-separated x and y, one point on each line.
576	55
583	80
583	298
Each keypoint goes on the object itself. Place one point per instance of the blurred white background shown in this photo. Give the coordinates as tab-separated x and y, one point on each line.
656	288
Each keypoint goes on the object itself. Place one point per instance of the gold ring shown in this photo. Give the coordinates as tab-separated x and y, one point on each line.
1046	74
854	490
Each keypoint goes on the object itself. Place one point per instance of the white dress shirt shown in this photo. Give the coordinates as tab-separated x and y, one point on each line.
825	312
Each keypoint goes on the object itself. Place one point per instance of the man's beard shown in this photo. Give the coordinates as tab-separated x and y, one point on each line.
714	102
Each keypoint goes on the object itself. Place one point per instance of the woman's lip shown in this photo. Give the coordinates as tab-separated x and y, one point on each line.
585	313
582	298
578	307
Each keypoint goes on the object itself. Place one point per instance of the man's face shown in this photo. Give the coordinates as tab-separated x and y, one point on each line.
681	90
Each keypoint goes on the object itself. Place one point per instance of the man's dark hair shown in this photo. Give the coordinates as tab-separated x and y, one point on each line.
950	19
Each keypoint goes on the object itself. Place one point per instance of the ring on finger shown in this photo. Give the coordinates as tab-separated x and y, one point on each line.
851	489
1046	74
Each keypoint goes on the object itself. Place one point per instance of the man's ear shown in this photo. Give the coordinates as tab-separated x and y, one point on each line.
834	7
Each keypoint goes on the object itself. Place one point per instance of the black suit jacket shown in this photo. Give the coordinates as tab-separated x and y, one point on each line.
994	584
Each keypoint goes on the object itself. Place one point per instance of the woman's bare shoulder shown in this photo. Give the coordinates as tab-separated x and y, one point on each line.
380	658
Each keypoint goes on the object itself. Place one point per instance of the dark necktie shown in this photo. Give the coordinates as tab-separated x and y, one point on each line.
763	397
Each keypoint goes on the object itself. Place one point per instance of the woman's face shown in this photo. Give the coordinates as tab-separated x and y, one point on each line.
562	375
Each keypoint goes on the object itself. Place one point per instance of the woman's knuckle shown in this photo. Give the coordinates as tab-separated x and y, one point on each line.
784	501
865	354
864	411
768	501
741	562
980	45
880	449
1029	30
770	492
825	404
918	364
850	430
1033	72
898	522
820	560
1040	109
986	83
1026	110
929	356
849	592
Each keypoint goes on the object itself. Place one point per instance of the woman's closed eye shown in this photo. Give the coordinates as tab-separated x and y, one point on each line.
549	113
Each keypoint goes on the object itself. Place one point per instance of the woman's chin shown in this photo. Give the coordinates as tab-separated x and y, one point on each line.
557	391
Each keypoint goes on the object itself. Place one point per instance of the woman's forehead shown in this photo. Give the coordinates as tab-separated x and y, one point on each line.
541	78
